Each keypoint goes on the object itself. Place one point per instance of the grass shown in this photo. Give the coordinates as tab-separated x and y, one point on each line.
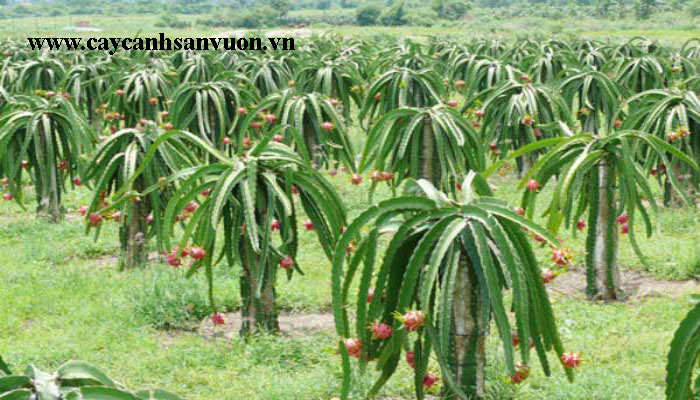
669	28
62	298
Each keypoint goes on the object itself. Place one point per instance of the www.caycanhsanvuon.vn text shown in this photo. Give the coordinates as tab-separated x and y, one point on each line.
112	45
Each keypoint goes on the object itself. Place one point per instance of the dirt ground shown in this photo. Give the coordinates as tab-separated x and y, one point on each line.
636	285
290	325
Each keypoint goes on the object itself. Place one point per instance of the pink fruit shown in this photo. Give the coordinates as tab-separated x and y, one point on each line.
533	185
295	190
350	248
119	92
429	380
452	103
547	275
356	179
174	261
149	219
95	219
7	196
286	262
327	126
184	253
116	215
227	141
387	176
410	358
83	210
191	206
309	225
381	331
277	138
559	257
413	320
256	125
625	229
168	126
479	113
198	253
4	181
581	225
520	211
333	172
516	339
271	118
622	219
334	102
370	295
218	319
247	142
571	360
153	101
539	238
242	111
275	225
206	192
24	164
376	176
165	114
521	373
353	347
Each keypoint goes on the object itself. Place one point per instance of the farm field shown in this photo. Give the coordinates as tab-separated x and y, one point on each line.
447	212
67	301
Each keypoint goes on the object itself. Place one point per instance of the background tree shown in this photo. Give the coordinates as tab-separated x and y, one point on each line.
44	137
367	14
435	144
311	124
672	115
474	245
251	196
518	113
113	171
598	173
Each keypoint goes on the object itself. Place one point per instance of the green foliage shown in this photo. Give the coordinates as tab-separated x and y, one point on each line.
394	15
575	161
113	171
44	136
694	8
166	299
682	358
73	380
171	21
397	140
368	14
451	9
303	118
439	235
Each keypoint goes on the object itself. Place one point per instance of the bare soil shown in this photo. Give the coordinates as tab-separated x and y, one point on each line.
291	324
636	285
